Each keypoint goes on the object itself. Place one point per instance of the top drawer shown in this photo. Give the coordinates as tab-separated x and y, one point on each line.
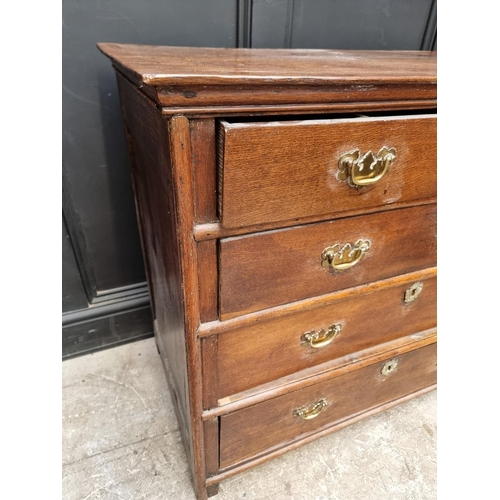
278	171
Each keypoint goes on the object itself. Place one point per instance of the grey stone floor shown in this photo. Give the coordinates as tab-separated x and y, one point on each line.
121	441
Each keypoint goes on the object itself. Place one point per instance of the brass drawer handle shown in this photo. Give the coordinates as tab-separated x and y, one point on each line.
310	411
321	338
389	367
367	170
340	258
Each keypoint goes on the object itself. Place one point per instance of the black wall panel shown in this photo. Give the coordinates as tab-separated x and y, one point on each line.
74	297
104	293
97	200
360	24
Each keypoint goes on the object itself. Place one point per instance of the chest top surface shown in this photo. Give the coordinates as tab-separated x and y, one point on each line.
200	77
158	65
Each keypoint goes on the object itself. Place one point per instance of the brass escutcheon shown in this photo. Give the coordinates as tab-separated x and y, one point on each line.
389	367
413	292
340	258
367	169
321	338
312	410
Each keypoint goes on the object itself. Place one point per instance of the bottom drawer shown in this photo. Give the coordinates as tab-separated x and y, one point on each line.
251	431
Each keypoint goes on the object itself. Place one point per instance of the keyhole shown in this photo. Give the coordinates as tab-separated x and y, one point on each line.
413	292
389	367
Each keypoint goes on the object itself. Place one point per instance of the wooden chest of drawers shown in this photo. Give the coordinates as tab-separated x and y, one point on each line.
287	206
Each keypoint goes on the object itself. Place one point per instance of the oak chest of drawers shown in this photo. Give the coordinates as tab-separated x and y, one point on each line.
286	201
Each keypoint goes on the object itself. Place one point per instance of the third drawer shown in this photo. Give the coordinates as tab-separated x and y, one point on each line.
275	347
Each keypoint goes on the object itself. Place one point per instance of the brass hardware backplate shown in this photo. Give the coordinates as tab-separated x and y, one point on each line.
311	410
342	257
413	292
321	338
360	171
389	367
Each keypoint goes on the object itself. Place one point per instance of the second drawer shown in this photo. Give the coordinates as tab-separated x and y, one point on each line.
262	352
276	267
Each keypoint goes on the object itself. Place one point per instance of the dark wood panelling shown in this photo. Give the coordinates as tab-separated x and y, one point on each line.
204	156
141	219
202	132
209	346
208	280
157	205
180	149
301	109
211	441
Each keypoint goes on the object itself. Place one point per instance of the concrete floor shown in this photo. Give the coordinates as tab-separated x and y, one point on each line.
121	441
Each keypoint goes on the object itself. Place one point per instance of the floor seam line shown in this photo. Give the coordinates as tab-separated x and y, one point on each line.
119	447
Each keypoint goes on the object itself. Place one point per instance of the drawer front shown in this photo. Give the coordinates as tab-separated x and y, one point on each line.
263	352
279	171
275	267
251	431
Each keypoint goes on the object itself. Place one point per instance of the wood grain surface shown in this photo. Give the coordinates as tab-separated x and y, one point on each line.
203	160
158	65
179	134
293	444
215	327
215	230
188	76
260	353
294	166
234	286
153	182
251	431
319	373
275	267
204	95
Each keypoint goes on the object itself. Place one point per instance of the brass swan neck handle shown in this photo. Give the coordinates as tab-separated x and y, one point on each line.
340	258
360	171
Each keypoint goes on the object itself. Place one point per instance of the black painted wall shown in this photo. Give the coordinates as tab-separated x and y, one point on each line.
105	299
